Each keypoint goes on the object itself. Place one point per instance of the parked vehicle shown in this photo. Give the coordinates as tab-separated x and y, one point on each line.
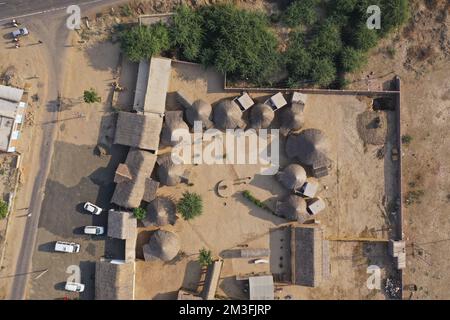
74	287
68	247
92	208
95	230
20	32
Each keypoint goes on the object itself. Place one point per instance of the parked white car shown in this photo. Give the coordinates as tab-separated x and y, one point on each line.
95	230
74	287
20	32
92	208
68	247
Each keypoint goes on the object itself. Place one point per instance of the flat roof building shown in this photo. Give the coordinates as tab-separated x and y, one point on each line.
12	114
261	288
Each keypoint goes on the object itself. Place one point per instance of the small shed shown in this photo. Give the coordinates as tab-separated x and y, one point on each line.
309	188
244	101
261	288
315	205
277	101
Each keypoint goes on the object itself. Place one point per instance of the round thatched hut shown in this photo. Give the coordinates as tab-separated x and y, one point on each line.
169	173
163	245
261	116
228	115
293	208
173	120
310	147
372	127
160	212
292	118
292	177
199	111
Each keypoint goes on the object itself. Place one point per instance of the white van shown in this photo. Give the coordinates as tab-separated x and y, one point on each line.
69	247
74	287
95	230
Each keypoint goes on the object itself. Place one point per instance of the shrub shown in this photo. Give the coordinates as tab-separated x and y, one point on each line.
352	59
142	42
363	38
205	257
297	58
190	205
187	32
301	12
139	213
239	43
327	40
3	209
91	96
406	139
397	13
323	72
247	194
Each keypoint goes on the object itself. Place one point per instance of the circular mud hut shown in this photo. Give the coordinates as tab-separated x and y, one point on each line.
292	118
372	127
161	211
169	173
310	147
293	208
292	177
261	116
163	245
173	120
199	111
228	115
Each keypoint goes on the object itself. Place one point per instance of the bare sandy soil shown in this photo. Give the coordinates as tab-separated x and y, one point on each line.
356	191
422	59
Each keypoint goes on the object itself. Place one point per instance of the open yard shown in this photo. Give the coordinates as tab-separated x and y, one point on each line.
357	191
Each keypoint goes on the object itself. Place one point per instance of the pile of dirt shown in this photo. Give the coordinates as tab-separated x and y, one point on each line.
10	77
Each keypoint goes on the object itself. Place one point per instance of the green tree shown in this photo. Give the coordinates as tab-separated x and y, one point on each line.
323	72
301	12
239	43
298	59
91	96
327	40
187	32
205	257
142	42
352	59
363	38
397	13
139	213
190	205
3	209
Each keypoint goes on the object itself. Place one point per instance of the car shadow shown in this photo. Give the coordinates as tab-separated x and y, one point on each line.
47	247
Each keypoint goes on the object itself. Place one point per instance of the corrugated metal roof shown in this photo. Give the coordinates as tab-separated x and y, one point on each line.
10	93
261	288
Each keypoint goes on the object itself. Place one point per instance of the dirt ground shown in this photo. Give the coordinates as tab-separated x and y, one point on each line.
358	187
422	60
78	173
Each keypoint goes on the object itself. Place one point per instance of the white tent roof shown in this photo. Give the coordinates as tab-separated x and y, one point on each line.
261	288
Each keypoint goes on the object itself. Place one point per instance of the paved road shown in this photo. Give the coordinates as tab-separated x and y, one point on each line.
20	8
53	33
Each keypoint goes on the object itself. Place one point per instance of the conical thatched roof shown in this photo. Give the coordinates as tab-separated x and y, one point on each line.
173	120
261	116
228	115
163	245
199	111
169	174
292	118
372	127
293	208
310	147
160	212
292	177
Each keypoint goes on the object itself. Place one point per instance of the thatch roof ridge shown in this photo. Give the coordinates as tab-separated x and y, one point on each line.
173	120
228	115
292	177
163	245
261	116
161	211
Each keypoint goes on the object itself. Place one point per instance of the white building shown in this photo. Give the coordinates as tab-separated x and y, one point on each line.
12	114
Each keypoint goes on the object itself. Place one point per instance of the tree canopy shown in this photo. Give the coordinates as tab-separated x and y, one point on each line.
190	205
301	12
142	42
